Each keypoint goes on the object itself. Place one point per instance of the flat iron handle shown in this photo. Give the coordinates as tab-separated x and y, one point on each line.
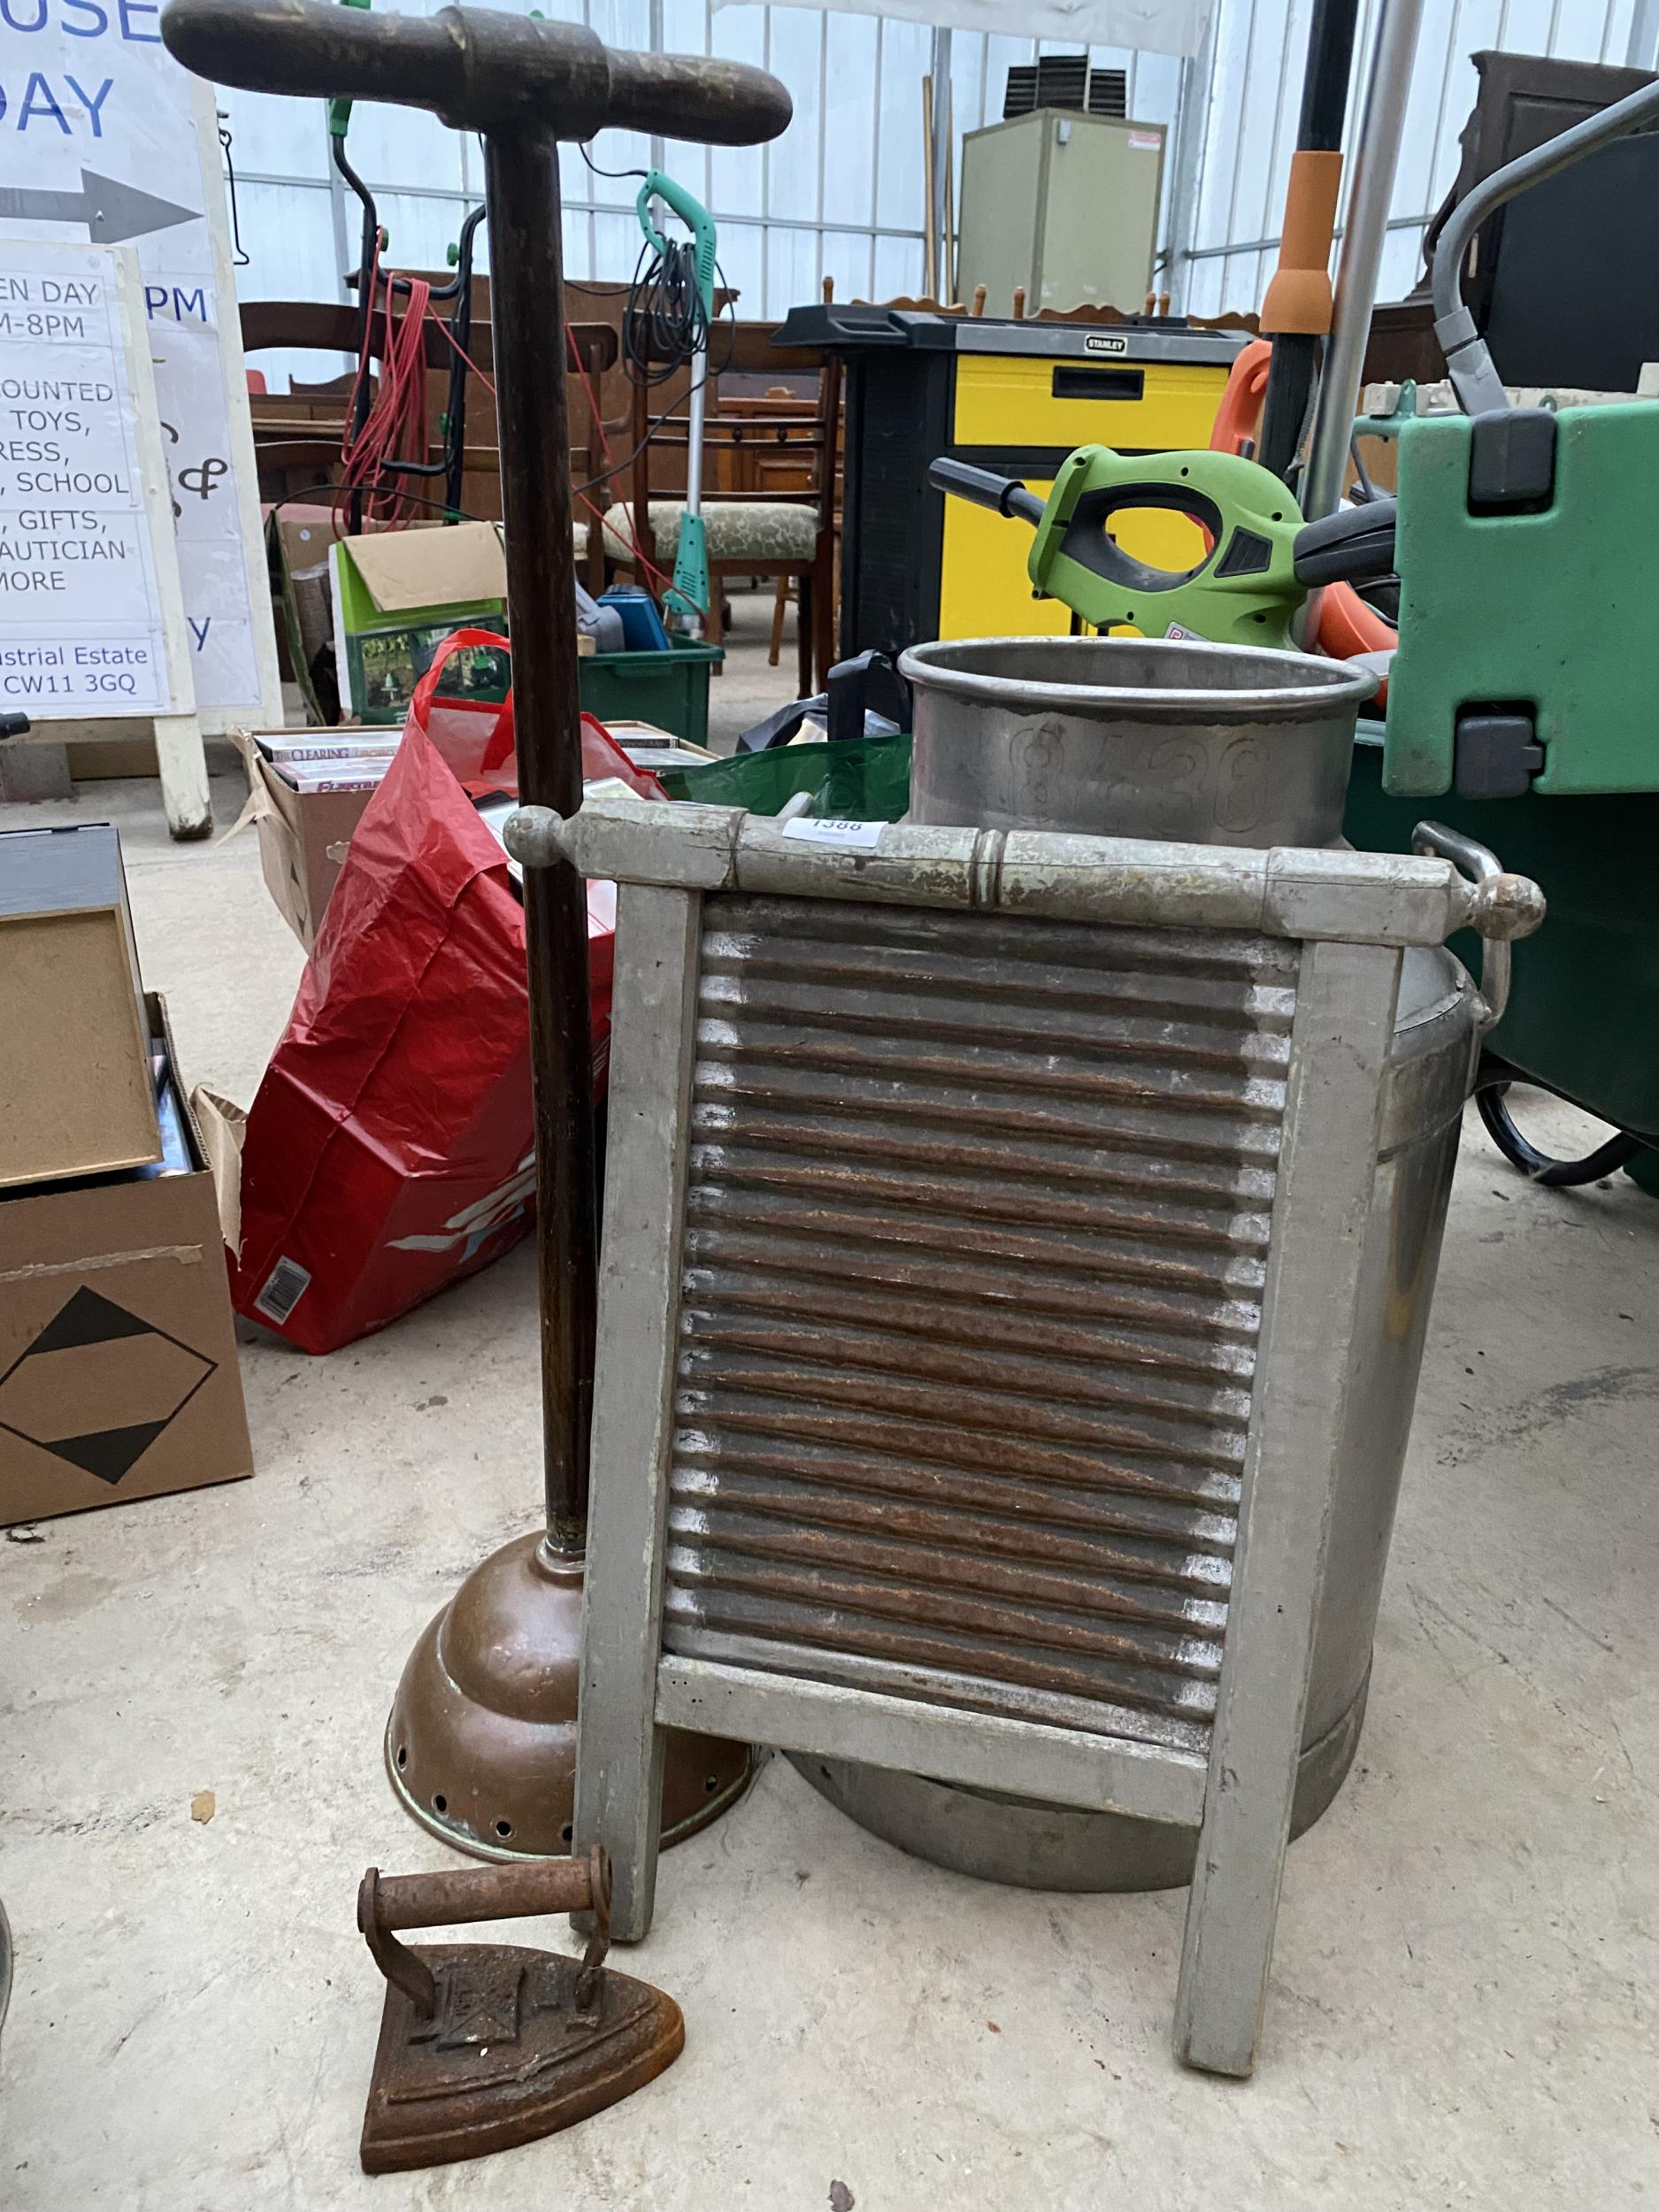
463	1894
458	1894
478	69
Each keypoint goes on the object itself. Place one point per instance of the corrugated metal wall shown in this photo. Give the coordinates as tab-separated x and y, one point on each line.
841	193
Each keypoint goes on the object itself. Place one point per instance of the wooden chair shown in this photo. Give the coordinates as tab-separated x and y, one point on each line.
298	434
764	454
763	532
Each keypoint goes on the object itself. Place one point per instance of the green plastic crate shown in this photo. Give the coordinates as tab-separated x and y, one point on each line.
863	778
670	689
1547	615
1583	1000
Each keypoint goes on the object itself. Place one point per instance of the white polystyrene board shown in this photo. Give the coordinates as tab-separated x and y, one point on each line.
91	616
221	555
1153	26
104	137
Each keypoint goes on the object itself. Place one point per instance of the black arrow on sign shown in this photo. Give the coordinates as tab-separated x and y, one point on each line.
110	210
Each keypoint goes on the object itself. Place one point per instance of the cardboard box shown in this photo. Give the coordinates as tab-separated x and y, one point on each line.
648	747
118	1357
303	840
300	535
304	535
398	593
76	1094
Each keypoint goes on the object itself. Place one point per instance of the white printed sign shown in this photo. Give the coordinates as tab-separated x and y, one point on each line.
1148	27
104	137
84	586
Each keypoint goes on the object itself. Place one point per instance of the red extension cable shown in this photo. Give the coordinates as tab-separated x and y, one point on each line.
396	422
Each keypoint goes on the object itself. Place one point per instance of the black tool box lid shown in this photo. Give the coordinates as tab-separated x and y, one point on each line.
856	329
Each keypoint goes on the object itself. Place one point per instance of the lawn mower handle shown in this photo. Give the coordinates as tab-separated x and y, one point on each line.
477	69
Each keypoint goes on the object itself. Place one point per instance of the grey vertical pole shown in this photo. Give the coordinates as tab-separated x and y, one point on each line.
1375	156
1191	119
654	38
1644	35
344	256
938	213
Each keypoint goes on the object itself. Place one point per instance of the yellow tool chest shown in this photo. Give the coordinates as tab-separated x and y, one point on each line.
1016	397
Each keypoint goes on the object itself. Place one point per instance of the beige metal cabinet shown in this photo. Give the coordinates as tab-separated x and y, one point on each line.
1064	204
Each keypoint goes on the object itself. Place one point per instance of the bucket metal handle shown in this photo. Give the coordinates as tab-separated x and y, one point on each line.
1504	907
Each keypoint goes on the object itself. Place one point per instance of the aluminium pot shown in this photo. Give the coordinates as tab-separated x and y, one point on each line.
1132	737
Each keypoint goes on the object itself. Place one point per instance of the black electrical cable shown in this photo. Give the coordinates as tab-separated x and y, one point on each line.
335	494
1367	490
1491	1101
664	324
598	172
632	454
653	325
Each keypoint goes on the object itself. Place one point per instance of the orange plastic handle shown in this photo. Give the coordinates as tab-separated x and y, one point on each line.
1347	625
1238	417
1299	298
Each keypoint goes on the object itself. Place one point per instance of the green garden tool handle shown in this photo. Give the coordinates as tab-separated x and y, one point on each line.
659	186
1243	589
1244	510
1005	495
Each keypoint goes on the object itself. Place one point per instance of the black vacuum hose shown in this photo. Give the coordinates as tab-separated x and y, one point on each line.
1606	1159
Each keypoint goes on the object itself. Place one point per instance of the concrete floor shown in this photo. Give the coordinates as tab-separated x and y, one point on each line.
1463	2010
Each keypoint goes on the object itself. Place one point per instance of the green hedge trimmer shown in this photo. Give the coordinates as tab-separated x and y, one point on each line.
1261	559
690	270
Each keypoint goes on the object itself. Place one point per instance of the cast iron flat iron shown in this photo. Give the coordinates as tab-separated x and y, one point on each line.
486	2045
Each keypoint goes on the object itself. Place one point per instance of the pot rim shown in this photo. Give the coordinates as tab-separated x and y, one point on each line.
1324	686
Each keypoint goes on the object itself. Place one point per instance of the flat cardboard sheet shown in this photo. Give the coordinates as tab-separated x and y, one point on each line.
437	566
76	1095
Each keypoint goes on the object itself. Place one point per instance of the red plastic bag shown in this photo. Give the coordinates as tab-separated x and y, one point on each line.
389	1149
475	736
468	732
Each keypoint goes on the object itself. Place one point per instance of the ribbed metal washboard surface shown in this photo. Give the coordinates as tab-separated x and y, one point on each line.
977	1221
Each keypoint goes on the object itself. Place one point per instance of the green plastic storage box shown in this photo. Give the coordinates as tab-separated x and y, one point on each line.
670	689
